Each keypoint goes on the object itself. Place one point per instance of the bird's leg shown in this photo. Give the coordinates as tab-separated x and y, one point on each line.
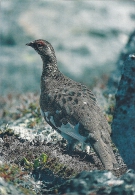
86	148
71	142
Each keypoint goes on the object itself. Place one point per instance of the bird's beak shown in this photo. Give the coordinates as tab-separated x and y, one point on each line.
30	44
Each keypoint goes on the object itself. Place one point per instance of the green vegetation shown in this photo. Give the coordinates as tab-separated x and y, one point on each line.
15	176
44	162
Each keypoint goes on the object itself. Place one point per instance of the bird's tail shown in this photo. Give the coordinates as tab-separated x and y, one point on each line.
105	153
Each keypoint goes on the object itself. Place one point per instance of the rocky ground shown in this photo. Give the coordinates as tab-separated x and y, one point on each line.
34	159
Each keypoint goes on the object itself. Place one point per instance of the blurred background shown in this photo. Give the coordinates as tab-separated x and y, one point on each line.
87	36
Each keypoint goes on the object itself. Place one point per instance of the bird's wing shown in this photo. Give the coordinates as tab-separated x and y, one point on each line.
77	103
75	113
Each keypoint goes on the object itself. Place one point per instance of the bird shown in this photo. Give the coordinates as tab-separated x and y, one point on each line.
71	109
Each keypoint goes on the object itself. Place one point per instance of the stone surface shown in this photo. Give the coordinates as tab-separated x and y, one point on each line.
116	74
123	127
99	182
6	188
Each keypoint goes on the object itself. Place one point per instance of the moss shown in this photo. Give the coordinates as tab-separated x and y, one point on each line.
31	123
27	165
109	118
110	109
36	116
23	109
44	162
35	163
15	176
7	132
32	106
5	113
43	158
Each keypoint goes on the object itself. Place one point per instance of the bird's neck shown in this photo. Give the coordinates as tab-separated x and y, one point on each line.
50	68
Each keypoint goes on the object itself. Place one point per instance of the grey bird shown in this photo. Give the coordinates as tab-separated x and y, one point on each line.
71	108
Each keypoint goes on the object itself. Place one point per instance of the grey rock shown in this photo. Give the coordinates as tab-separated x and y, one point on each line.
123	126
6	188
99	182
116	74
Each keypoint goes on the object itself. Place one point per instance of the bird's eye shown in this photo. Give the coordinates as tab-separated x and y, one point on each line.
39	45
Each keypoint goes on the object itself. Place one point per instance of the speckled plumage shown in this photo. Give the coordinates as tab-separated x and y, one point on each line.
71	108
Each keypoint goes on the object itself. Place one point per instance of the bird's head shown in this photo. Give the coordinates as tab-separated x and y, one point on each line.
43	48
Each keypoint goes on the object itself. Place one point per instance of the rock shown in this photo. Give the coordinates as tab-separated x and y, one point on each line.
99	182
6	188
116	74
123	126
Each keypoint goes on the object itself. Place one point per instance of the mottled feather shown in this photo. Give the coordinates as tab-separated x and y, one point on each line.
71	108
